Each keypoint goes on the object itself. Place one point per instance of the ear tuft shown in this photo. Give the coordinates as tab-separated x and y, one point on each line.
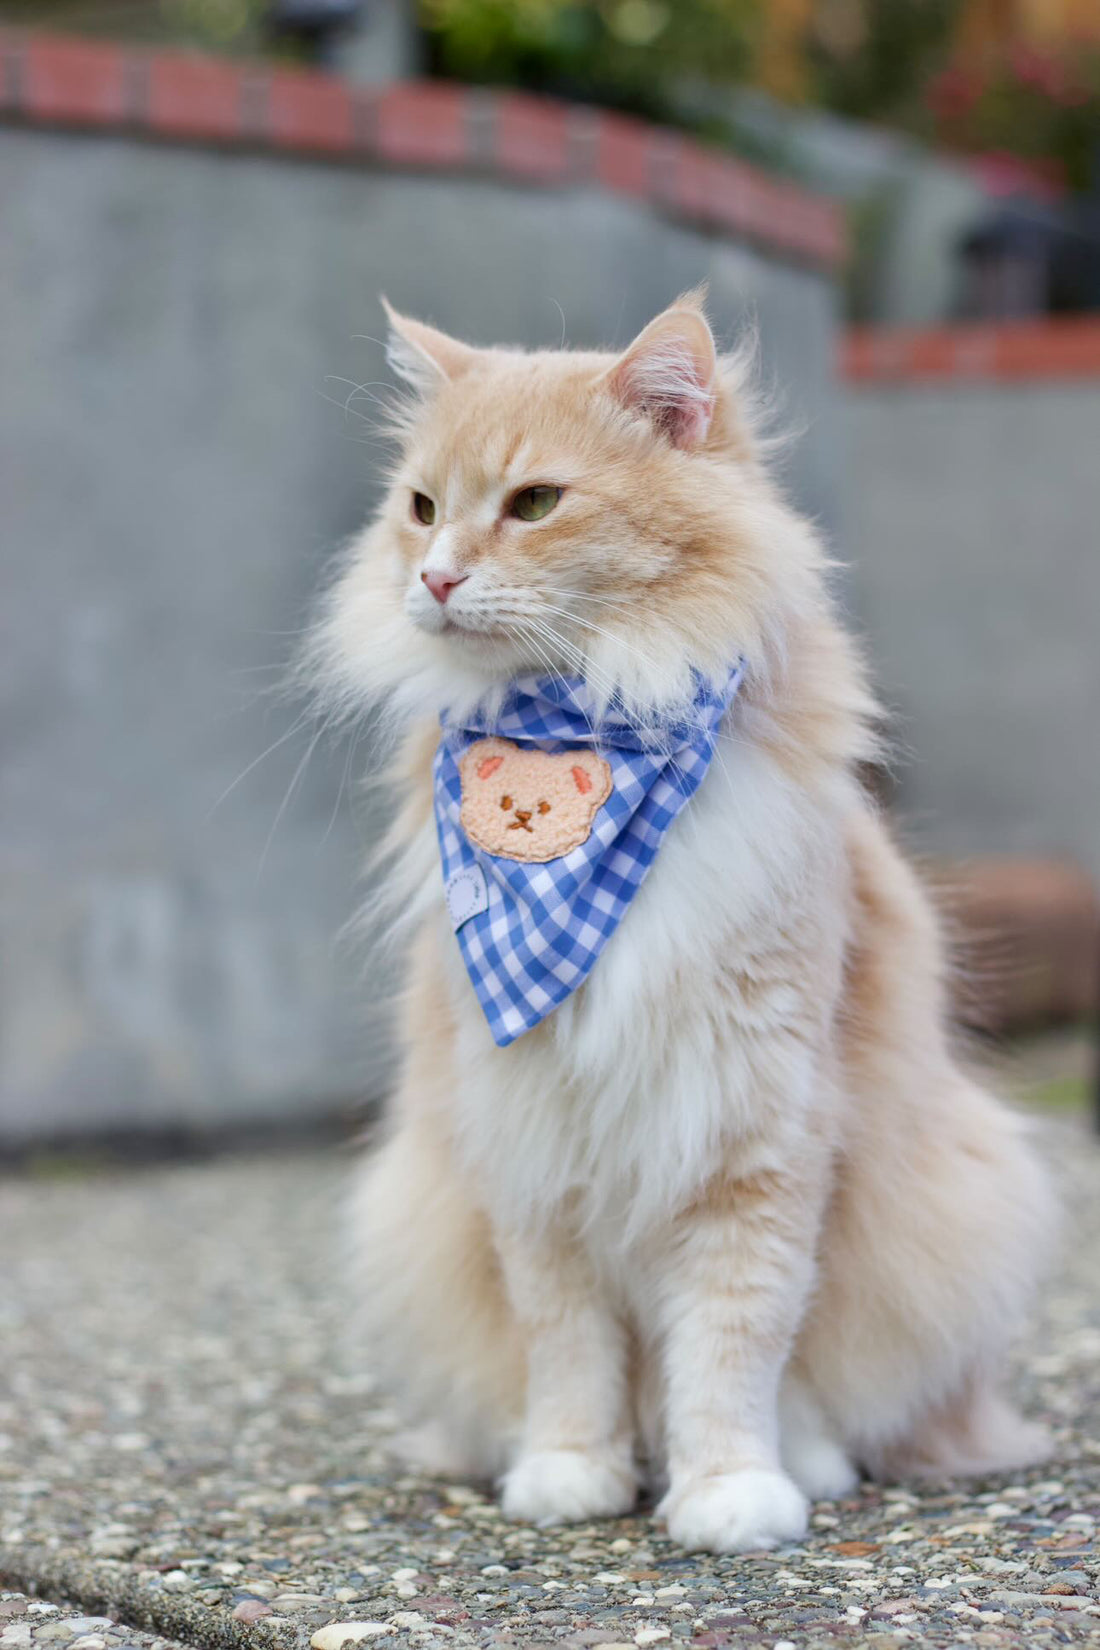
423	356
670	372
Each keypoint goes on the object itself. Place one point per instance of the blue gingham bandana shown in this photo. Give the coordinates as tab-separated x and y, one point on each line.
531	933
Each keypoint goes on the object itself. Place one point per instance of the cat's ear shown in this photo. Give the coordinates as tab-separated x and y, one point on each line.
670	373
422	355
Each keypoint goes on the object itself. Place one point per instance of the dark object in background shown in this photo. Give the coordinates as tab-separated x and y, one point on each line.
1030	259
314	25
1027	938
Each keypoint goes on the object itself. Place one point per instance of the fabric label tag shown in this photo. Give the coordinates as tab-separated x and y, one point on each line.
467	895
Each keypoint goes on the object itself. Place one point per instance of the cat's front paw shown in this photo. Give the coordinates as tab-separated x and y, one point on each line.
566	1486
735	1512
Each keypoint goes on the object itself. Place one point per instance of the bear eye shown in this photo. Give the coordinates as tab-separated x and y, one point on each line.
506	801
544	807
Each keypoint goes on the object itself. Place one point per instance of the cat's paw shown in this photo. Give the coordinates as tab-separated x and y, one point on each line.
566	1486
735	1512
821	1468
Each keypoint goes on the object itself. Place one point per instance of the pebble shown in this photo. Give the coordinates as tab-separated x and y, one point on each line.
251	1609
339	1633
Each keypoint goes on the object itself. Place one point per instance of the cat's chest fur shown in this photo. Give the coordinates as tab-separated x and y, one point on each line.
689	1028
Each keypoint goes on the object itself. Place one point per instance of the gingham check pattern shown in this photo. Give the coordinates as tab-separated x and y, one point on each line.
542	927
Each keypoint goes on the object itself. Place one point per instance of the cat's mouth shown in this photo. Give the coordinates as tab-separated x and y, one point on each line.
470	627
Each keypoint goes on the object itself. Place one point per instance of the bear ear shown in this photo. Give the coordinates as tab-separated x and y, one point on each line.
483	759
591	775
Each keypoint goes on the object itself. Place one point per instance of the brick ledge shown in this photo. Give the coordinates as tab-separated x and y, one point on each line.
61	80
1059	348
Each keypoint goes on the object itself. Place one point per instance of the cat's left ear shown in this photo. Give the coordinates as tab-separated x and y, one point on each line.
422	355
670	373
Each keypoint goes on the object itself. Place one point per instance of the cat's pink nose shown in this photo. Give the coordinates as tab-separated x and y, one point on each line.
441	584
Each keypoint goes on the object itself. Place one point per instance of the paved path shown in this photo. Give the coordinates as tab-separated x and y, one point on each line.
190	1452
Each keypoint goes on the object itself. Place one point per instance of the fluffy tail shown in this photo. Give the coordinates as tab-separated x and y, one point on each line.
439	1333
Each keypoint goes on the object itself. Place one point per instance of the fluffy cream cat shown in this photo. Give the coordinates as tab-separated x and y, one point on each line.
730	1221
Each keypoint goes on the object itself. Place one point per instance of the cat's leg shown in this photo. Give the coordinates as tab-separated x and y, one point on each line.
732	1285
576	1455
810	1444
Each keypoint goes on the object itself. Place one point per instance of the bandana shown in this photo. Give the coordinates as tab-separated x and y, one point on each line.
549	817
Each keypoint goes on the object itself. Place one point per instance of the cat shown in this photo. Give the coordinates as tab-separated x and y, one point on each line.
730	1223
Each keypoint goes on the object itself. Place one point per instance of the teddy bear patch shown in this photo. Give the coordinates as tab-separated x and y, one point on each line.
529	804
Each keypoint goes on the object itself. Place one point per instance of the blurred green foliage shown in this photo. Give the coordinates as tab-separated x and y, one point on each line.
873	61
625	53
215	25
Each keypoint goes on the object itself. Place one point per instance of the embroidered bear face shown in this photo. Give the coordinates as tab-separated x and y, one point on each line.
528	804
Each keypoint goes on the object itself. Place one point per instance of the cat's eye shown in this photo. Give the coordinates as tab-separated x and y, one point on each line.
506	801
532	503
423	508
544	807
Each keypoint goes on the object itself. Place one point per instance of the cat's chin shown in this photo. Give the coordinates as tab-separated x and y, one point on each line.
493	653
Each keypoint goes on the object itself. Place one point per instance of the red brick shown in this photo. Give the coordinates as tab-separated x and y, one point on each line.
421	124
195	97
82	81
624	155
532	137
1063	348
690	191
310	111
730	193
1067	348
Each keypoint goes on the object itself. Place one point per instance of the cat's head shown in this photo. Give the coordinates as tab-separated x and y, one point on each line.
592	514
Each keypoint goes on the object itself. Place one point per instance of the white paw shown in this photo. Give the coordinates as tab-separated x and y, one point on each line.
735	1512
821	1468
565	1486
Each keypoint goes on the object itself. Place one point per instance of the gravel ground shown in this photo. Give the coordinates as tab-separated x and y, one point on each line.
189	1447
27	1622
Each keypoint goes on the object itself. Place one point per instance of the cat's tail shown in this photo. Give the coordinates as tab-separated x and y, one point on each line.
978	1433
438	1331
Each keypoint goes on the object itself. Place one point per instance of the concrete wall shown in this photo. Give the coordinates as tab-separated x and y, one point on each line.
173	482
974	520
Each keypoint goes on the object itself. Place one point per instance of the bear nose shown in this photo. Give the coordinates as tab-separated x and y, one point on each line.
441	584
523	815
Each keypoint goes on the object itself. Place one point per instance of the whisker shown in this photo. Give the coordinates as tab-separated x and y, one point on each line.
282	739
298	772
581	596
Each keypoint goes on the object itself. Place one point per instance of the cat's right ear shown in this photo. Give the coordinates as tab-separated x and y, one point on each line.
421	355
670	373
